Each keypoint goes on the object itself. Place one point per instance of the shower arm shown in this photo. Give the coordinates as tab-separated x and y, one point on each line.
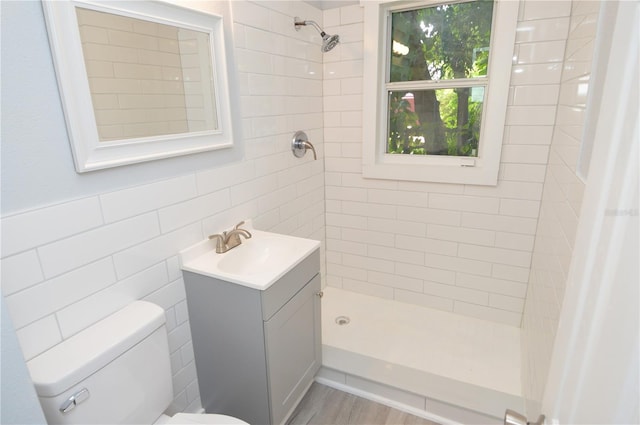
299	23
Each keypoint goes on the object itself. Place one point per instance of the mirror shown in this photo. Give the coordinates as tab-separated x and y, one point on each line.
146	78
139	80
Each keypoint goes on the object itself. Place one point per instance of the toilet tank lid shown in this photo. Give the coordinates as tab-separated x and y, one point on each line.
59	368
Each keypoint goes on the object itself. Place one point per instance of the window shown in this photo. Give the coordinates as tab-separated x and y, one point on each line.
436	86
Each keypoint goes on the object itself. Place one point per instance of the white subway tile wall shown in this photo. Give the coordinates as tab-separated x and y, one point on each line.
66	266
560	205
465	249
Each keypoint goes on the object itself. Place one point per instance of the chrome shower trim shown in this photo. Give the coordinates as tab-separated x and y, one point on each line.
328	41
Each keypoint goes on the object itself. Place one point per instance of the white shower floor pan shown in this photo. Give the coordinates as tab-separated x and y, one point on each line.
443	366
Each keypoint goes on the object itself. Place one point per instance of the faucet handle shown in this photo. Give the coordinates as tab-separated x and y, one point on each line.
220	243
245	232
234	234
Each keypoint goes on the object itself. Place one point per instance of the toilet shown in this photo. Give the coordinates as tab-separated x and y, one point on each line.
115	372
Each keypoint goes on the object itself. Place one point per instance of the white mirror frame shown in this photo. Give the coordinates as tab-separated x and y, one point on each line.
88	152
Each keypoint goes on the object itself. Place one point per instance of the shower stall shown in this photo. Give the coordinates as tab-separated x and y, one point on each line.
425	306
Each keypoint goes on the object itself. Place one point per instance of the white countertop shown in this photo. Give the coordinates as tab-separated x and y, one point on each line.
256	263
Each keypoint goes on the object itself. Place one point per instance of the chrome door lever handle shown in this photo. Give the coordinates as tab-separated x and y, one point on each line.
515	418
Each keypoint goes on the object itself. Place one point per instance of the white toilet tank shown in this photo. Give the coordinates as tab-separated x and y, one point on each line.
117	371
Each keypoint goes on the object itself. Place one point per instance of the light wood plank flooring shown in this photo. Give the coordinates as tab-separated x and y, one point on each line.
324	405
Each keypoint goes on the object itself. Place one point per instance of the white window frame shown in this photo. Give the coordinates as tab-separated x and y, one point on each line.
480	170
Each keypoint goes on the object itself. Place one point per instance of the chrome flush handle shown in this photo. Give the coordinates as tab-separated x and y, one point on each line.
73	400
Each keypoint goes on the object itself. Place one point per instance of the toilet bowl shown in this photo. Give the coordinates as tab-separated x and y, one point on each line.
115	372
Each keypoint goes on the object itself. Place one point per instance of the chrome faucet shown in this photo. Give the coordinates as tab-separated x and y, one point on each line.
231	239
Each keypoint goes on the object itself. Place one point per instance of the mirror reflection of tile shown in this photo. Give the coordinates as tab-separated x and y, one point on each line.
146	78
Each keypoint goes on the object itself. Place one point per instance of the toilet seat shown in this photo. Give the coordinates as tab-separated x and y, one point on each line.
204	419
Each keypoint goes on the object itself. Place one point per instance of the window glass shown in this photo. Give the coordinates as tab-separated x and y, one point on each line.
445	47
441	42
435	122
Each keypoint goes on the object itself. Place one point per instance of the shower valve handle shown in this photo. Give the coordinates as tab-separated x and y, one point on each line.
300	144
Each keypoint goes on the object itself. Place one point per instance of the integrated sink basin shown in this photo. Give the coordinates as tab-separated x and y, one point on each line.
257	263
256	256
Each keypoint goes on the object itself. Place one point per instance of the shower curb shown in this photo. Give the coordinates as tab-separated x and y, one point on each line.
437	397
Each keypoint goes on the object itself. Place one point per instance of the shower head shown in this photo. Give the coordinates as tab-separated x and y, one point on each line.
328	41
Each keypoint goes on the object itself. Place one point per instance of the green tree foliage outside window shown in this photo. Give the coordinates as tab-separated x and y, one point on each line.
445	47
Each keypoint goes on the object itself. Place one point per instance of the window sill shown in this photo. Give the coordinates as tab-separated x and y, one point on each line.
452	170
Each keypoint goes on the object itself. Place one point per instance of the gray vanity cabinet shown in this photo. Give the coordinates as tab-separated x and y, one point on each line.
256	351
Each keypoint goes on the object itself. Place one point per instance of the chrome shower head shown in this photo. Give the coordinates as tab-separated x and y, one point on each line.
328	41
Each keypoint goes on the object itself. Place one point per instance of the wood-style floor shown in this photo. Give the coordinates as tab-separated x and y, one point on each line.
324	405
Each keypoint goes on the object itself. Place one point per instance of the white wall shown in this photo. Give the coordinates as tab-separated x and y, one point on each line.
460	248
560	210
76	248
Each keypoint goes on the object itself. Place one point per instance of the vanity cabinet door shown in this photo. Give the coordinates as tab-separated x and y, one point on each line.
293	349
